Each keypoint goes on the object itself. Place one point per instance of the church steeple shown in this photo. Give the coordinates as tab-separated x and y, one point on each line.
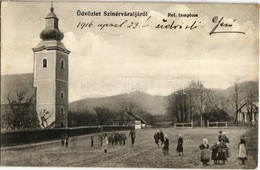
51	31
51	70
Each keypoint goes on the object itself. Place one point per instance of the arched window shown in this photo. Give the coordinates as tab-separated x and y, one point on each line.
62	64
62	94
44	63
61	110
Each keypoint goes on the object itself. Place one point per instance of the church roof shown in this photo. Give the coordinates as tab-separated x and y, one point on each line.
14	83
51	31
51	15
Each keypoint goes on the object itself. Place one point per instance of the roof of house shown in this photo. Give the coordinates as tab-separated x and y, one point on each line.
137	117
244	107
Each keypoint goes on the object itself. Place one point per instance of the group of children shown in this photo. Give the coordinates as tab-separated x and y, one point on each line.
117	138
114	139
219	149
218	152
161	139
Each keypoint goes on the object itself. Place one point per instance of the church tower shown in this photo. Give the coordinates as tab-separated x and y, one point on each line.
51	64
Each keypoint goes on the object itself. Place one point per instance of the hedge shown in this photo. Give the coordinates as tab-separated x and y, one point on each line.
11	138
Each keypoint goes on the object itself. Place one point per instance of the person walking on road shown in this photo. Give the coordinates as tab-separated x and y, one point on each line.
180	145
105	142
165	146
156	137
242	151
214	153
161	136
92	141
205	152
222	151
132	136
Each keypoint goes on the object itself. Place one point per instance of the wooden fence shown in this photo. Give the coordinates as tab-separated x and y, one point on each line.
183	125
217	124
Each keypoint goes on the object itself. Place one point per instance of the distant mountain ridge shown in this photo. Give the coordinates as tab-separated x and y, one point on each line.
156	105
153	104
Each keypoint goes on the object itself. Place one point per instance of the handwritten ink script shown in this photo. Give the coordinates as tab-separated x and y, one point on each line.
220	25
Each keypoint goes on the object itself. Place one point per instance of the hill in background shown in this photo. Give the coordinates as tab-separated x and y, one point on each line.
156	105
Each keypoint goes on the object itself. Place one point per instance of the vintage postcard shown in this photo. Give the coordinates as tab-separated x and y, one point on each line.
129	84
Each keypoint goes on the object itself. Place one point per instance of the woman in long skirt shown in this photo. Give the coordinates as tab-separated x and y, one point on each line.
222	151
105	143
205	152
180	145
165	146
214	153
162	137
156	137
242	151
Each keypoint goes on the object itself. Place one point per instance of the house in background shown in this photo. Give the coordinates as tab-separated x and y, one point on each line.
134	120
248	113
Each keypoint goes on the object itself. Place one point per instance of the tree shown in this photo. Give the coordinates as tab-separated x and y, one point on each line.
104	116
20	112
82	118
193	100
177	106
126	107
217	115
245	93
236	100
251	95
44	116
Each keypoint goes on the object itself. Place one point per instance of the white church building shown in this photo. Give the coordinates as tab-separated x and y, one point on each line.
47	86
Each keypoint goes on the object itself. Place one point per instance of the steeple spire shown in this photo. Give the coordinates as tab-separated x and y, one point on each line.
52	9
51	31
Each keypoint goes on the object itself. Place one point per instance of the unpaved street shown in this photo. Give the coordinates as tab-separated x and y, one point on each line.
144	154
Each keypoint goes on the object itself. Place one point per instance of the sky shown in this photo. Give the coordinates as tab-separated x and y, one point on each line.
113	61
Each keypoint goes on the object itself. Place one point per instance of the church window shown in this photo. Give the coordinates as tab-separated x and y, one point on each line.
61	110
62	64
44	63
62	94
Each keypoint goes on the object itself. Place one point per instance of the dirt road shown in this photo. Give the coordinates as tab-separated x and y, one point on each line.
144	154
